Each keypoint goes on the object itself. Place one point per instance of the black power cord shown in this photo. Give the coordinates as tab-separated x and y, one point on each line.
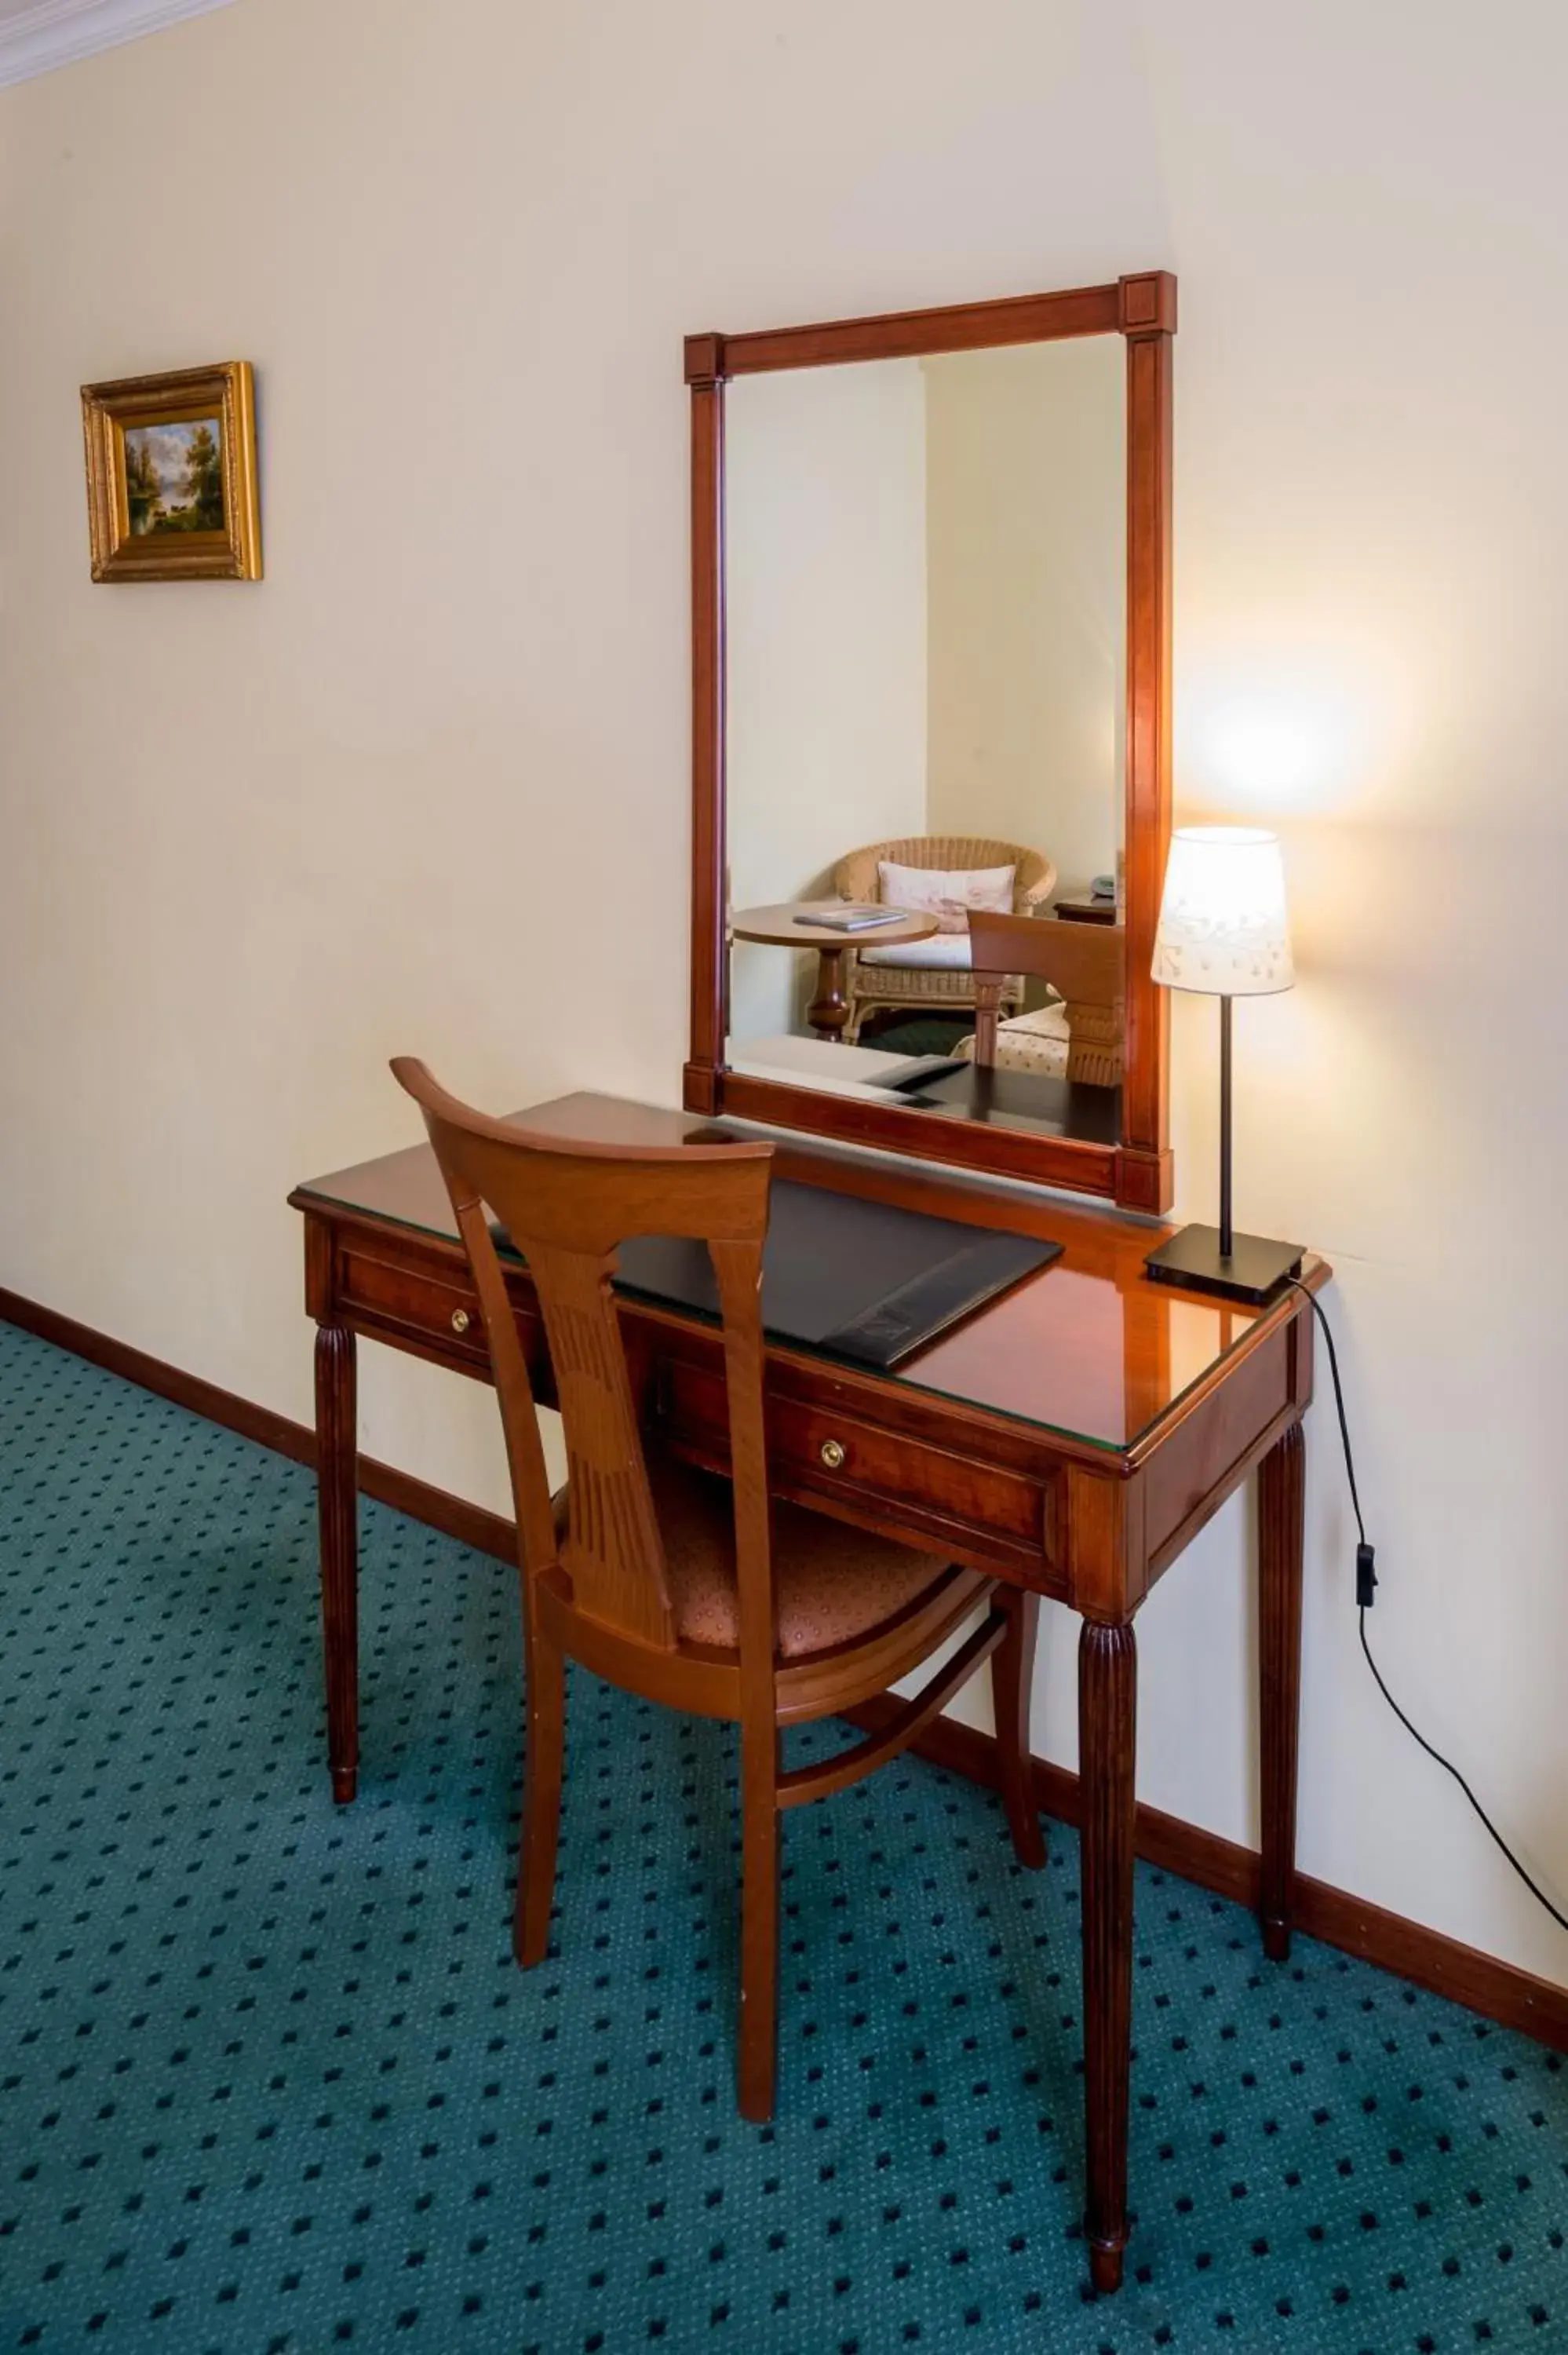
1366	1581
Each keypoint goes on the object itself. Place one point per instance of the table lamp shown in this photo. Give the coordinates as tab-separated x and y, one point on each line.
1223	931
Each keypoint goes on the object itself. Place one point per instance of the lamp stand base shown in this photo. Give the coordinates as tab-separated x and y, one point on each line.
1255	1270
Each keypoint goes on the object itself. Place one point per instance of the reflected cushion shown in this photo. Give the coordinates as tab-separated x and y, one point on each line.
1037	1042
942	952
947	893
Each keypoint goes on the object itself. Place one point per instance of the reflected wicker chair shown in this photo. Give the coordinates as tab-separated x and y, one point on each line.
871	985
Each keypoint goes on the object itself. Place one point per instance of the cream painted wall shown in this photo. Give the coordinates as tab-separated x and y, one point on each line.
1026	505
427	787
825	608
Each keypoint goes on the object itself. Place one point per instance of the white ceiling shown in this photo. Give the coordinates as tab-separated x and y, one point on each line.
37	35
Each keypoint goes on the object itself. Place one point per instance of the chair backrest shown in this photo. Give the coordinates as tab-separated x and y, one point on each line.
1086	964
568	1206
1034	879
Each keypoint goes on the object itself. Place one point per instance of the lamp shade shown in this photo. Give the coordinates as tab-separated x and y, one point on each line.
1223	926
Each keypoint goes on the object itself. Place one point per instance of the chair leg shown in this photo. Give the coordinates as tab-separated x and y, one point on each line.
1011	1680
541	1800
759	2062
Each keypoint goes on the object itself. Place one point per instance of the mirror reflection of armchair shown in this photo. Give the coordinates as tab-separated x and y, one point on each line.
932	977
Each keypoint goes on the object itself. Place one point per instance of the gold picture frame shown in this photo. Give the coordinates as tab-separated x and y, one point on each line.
171	475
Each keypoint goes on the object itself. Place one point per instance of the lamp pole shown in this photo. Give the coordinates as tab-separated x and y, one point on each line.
1226	1237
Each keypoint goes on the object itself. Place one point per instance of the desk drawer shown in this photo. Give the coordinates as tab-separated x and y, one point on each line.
984	1513
425	1305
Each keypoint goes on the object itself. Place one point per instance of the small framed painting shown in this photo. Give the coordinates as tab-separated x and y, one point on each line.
171	475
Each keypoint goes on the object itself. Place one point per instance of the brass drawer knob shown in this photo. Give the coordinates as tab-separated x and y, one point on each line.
460	1320
832	1454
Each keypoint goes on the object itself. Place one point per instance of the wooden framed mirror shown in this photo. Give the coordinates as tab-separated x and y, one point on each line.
931	672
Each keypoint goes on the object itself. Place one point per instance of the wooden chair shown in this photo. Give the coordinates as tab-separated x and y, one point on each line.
1086	963
667	1581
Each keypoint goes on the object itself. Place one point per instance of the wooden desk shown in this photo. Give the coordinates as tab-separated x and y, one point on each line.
1071	1437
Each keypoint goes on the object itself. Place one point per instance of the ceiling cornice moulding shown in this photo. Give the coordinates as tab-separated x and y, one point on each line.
58	32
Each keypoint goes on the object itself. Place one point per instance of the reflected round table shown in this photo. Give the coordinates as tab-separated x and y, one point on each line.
790	926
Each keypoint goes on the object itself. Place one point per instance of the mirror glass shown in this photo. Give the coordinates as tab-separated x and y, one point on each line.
926	608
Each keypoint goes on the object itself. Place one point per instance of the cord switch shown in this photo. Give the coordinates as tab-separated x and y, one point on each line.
1366	1577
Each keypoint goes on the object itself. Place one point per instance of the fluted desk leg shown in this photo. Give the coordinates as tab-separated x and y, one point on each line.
337	1503
1281	1490
1108	1717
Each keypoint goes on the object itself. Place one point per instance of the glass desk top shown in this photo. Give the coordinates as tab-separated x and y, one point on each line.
1087	1350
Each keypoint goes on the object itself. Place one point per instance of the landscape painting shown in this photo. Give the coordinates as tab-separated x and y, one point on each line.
174	477
171	489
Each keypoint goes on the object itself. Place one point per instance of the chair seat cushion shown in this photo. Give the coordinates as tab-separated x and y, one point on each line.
832	1583
941	952
1037	1042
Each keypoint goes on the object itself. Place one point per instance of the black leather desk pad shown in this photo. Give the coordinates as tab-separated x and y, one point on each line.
863	1279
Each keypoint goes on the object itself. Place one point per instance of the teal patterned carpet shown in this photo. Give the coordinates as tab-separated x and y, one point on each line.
270	2083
